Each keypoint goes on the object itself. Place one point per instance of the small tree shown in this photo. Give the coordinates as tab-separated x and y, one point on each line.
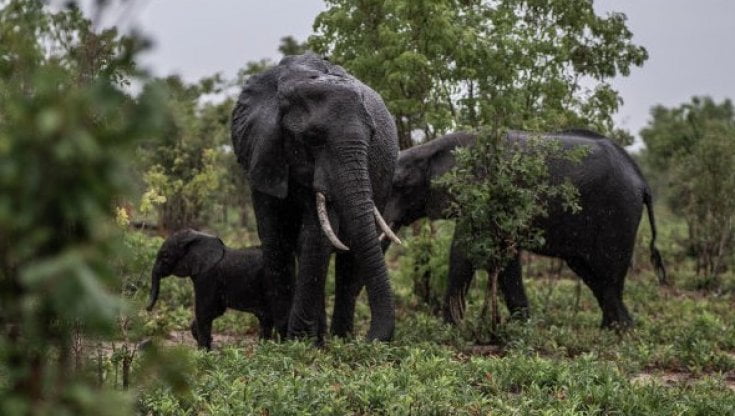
692	146
184	172
705	182
498	189
443	63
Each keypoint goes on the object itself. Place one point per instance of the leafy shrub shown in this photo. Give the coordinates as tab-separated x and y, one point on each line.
497	190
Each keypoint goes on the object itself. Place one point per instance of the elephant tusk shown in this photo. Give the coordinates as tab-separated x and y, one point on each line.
381	237
386	229
321	209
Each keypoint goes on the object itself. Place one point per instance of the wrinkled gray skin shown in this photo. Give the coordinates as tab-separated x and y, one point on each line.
302	127
223	278
597	243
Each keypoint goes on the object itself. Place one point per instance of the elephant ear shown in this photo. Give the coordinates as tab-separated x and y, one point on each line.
199	253
256	134
440	163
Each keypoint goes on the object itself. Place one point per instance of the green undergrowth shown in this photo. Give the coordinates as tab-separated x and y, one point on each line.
424	378
679	359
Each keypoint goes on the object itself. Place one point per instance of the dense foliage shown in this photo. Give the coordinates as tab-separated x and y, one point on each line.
66	125
185	171
679	360
191	176
499	187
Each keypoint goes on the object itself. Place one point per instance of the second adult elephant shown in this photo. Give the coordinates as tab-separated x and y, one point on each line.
319	148
597	243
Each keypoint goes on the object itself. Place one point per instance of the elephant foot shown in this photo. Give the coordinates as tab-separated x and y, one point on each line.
618	320
520	314
447	316
305	330
318	340
618	326
454	309
381	332
281	329
266	328
341	329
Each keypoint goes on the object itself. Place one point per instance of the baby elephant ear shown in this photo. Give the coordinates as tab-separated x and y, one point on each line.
200	253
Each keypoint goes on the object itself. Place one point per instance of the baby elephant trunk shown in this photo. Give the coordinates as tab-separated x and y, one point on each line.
155	283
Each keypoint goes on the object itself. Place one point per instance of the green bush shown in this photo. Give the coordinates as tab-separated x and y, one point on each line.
67	126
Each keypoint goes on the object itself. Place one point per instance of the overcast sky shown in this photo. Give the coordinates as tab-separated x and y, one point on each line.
691	43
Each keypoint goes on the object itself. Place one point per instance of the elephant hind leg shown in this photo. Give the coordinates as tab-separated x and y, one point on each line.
461	273
607	286
511	285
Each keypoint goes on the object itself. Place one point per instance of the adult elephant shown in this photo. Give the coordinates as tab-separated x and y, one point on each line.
319	148
597	243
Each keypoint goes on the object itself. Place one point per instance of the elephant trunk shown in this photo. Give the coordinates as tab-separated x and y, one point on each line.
357	211
155	284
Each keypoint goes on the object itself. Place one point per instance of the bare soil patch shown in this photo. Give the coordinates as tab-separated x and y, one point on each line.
175	338
675	378
485	350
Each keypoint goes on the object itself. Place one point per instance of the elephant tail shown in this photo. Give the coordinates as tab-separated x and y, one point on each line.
656	258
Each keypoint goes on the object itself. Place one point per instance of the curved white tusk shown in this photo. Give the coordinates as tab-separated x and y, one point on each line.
321	209
381	237
383	226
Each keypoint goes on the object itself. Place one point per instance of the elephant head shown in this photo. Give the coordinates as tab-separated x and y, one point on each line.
411	186
309	120
413	196
307	123
184	253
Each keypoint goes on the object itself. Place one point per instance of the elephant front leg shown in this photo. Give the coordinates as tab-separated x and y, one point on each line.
207	307
308	315
266	326
347	288
278	225
203	329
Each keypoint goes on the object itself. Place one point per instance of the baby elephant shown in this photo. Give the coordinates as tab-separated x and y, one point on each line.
223	278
